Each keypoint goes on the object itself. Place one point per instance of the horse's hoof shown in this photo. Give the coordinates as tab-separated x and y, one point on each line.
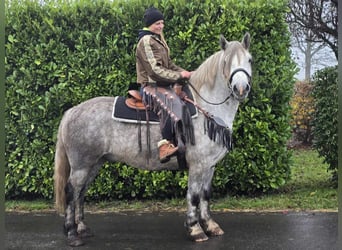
86	233
83	231
200	238
216	232
197	234
211	228
75	241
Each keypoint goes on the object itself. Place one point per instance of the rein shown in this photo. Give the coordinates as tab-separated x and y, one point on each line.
206	113
205	100
229	86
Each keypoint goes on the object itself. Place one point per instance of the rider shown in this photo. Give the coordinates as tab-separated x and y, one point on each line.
154	67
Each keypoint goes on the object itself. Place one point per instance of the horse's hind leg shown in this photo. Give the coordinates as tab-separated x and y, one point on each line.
82	229
75	190
70	227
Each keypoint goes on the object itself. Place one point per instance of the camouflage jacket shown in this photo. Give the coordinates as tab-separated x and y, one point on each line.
153	63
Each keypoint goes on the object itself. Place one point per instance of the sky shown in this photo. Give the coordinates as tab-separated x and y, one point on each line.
323	59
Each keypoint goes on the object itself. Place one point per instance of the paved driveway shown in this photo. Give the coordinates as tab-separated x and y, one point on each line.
161	231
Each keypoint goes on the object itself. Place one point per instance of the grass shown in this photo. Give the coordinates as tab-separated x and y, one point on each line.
309	189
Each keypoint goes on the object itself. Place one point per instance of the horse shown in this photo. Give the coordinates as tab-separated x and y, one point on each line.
88	136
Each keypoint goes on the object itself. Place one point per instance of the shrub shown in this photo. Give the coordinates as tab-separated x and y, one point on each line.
324	123
302	109
59	54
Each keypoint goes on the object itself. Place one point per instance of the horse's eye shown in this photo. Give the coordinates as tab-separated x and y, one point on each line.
250	60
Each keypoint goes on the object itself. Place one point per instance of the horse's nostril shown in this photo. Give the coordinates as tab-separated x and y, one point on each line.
241	89
247	88
235	89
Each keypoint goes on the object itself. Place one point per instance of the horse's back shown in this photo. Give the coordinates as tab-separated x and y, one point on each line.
95	102
88	107
87	117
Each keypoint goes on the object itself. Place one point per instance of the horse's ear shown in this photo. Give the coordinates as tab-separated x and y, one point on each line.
246	41
223	42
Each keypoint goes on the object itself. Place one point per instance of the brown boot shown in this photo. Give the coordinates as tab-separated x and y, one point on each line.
166	150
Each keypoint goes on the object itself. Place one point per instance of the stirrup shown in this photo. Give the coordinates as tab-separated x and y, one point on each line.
166	150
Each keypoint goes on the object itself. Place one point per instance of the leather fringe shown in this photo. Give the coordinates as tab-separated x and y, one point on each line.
166	103
218	132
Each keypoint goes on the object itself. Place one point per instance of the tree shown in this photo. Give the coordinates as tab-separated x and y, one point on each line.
317	16
302	45
313	24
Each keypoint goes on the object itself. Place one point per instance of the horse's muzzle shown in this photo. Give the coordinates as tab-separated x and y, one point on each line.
241	90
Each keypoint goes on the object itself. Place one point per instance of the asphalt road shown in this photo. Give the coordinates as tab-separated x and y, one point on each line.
138	231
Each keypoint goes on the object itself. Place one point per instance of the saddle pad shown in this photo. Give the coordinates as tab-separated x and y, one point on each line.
123	113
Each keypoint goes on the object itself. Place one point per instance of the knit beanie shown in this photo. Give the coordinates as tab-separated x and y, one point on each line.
152	15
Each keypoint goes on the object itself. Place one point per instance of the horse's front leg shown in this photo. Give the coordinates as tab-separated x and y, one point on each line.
210	227
199	222
192	222
195	196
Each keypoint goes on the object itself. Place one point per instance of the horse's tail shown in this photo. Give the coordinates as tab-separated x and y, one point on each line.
61	173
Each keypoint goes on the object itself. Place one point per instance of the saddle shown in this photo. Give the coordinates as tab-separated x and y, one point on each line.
134	100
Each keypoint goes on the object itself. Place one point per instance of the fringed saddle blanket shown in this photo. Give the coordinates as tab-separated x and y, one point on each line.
123	113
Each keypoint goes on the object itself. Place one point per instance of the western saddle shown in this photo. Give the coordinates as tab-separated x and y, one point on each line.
134	100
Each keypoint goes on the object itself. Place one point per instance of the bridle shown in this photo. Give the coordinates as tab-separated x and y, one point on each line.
229	86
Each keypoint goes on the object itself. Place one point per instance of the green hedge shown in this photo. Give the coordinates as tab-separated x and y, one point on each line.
324	123
59	54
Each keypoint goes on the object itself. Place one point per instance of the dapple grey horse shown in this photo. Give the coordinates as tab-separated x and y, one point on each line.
88	136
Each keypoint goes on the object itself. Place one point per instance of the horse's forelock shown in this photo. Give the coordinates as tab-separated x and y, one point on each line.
234	50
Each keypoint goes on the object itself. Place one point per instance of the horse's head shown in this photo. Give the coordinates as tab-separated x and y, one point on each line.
237	69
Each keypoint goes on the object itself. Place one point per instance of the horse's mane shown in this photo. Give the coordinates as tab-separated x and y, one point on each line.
206	72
